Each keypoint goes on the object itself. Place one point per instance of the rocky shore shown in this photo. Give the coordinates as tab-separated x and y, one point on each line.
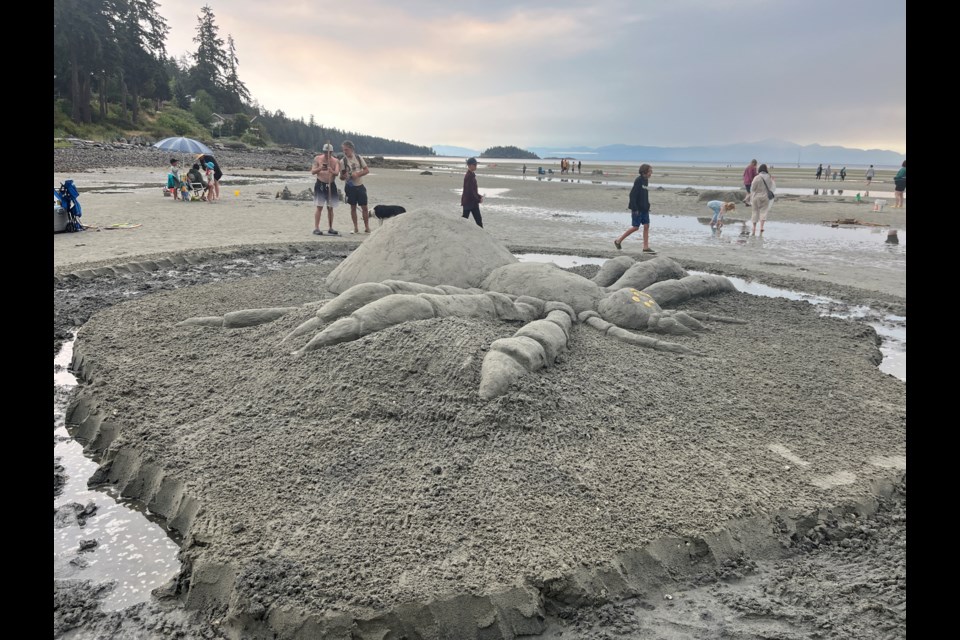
85	155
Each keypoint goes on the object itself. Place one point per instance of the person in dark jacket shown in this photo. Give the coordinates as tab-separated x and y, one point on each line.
639	209
471	198
203	159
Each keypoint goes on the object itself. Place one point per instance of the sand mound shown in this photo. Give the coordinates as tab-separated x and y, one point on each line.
425	247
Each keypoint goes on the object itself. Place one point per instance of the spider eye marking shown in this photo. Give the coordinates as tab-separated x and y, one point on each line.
648	303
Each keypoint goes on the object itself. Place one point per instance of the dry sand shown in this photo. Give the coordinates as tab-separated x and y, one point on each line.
365	488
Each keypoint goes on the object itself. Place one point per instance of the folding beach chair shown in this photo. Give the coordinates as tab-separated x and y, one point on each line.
198	191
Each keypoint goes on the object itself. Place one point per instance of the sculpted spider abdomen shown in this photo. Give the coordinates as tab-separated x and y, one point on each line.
628	308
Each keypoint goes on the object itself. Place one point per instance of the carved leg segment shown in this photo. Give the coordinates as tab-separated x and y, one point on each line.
593	319
397	308
535	346
385	312
709	317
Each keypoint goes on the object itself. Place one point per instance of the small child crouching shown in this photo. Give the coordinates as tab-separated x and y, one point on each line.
719	208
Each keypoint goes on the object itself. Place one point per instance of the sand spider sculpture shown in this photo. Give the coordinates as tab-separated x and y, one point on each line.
426	266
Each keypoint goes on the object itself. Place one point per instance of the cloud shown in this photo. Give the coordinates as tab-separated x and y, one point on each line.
688	72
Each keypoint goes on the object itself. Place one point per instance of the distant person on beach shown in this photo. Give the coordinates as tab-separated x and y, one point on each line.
762	189
203	159
471	198
843	174
326	166
870	174
351	172
826	176
719	207
819	171
748	175
173	178
900	186
579	167
524	170
639	209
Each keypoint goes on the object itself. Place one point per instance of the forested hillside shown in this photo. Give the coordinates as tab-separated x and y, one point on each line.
113	77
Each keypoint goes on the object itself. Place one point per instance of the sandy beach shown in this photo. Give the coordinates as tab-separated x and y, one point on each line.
365	491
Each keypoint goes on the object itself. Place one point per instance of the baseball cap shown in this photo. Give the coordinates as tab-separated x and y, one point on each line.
328	147
471	161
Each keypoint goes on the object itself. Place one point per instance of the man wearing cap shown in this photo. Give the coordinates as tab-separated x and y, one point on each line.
326	167
471	198
205	158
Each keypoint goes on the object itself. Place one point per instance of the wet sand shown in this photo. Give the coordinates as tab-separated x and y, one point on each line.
367	485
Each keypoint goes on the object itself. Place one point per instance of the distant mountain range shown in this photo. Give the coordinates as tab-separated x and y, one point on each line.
775	152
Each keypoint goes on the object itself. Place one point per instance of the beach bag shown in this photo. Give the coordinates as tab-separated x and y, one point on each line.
770	194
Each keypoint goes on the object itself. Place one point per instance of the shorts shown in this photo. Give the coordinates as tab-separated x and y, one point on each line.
356	194
325	195
761	207
639	218
746	186
899	185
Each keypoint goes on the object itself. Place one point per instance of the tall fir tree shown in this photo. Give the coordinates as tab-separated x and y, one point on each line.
237	93
210	59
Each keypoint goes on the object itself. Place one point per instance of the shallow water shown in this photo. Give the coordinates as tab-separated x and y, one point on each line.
891	329
133	551
850	190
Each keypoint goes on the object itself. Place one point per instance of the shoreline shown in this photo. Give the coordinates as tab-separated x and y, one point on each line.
582	218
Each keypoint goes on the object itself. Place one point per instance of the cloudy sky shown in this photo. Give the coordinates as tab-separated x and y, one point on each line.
564	73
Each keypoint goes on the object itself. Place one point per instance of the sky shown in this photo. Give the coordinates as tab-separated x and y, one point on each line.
571	73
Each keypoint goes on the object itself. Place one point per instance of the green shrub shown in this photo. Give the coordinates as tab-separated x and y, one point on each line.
173	121
251	139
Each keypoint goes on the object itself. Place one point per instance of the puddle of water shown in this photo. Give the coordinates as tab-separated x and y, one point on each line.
132	550
486	193
850	191
891	329
804	243
562	261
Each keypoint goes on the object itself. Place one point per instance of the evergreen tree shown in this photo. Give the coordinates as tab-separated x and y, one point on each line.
237	92
141	38
81	37
210	59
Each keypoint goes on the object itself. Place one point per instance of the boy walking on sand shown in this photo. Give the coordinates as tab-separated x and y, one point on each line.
471	198
639	209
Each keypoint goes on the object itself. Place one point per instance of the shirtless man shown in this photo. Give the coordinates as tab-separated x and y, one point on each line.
326	167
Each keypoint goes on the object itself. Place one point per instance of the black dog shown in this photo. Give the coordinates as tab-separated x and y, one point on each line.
384	211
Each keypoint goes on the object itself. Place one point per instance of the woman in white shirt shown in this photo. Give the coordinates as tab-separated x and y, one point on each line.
761	196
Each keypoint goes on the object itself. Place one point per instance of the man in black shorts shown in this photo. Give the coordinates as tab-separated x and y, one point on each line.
352	171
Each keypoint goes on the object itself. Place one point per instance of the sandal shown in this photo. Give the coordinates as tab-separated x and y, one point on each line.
333	232
649	250
616	243
317	232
